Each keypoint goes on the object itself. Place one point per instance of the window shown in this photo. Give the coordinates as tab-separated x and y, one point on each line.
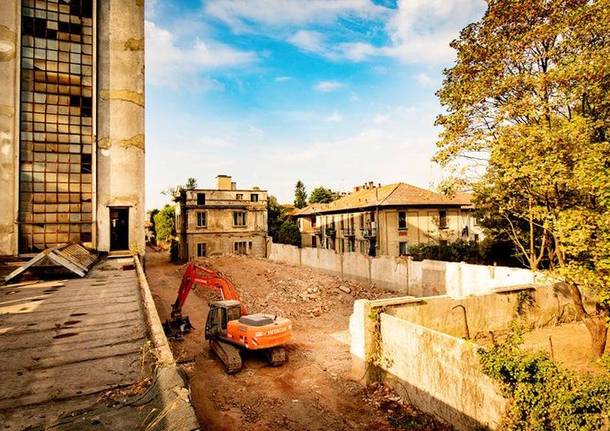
202	249
239	196
373	217
402	220
402	248
313	222
443	242
442	219
200	198
201	219
254	197
240	247
314	241
239	218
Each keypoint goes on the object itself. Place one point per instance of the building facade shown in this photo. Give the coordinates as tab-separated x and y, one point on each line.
71	124
225	220
387	220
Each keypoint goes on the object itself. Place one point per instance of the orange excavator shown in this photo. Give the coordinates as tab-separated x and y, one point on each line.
229	328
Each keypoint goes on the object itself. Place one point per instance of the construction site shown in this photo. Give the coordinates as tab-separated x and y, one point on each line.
314	389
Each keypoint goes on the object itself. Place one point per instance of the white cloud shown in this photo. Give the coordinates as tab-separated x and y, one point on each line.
421	30
240	14
335	117
282	78
311	41
167	63
380	119
424	79
328	86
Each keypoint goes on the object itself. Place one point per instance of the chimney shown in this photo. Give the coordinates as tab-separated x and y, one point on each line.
356	189
223	182
233	186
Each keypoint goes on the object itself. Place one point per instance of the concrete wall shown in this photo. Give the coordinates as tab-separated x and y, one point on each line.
120	118
405	276
418	346
9	112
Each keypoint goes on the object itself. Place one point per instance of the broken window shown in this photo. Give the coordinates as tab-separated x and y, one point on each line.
200	198
239	218
56	116
201	219
239	247
442	219
254	197
239	196
202	249
402	249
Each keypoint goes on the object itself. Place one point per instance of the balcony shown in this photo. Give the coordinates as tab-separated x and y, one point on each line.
331	231
369	232
317	231
348	232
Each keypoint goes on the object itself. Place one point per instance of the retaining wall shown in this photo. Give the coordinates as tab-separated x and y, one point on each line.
405	276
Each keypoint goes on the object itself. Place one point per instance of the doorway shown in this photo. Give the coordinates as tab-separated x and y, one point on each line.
119	229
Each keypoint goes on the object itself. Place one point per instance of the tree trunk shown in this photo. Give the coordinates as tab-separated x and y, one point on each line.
598	329
596	323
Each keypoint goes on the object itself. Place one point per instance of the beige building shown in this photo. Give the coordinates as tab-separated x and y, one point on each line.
71	124
387	220
225	220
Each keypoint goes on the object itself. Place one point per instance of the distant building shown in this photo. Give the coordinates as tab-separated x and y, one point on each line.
71	124
225	220
387	220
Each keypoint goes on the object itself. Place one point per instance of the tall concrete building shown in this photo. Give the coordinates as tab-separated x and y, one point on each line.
71	124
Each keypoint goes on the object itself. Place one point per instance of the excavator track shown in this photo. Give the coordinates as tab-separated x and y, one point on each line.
228	355
276	356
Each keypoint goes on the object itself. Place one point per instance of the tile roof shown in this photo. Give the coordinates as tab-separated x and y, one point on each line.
398	194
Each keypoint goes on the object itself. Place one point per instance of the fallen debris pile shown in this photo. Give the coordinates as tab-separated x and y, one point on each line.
287	290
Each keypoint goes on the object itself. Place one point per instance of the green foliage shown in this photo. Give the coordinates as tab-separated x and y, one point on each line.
191	184
300	195
165	223
153	227
543	396
289	233
177	191
528	104
275	218
322	195
457	251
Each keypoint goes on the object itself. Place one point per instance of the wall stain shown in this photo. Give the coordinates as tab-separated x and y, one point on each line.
136	141
134	44
104	143
8	42
7	111
125	95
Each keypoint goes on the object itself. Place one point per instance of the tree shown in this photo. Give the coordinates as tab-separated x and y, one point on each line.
191	184
300	195
274	218
176	191
289	233
528	112
165	223
322	195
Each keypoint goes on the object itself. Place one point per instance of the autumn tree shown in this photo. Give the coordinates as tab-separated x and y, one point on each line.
526	126
300	195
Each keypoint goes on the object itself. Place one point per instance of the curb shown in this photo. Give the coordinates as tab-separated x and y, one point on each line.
178	410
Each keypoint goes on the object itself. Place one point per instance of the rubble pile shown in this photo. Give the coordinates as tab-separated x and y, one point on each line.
290	291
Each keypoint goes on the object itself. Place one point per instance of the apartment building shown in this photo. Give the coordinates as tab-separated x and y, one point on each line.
224	220
387	220
71	124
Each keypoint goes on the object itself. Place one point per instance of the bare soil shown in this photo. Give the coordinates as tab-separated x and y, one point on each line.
314	389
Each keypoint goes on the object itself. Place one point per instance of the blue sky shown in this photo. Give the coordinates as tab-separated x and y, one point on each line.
332	92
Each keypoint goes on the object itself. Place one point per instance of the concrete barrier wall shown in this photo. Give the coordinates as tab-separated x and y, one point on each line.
405	276
438	373
417	346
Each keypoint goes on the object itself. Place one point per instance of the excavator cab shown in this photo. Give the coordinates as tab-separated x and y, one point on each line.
221	312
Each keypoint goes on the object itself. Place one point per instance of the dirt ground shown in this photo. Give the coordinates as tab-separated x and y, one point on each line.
314	389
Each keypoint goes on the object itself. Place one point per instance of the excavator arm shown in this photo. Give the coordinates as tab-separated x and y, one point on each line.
197	275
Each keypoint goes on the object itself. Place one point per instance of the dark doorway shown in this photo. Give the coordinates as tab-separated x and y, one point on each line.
119	229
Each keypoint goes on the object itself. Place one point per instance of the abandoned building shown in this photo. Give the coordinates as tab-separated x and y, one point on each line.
71	124
387	220
225	220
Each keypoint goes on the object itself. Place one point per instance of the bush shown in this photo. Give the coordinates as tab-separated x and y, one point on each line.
289	233
165	224
542	395
458	251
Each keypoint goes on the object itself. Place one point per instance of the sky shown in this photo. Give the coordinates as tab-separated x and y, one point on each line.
335	93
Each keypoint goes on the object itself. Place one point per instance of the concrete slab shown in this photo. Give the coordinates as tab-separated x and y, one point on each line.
65	343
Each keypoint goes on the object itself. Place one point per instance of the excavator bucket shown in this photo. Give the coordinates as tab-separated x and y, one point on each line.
177	327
